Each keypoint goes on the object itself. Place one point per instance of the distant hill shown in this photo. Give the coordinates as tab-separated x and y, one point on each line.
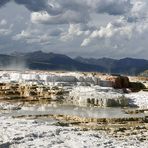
51	61
127	66
107	63
45	61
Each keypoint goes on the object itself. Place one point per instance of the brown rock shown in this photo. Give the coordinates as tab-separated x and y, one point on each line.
136	86
119	82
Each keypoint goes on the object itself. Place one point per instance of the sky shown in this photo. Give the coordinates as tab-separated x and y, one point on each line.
87	28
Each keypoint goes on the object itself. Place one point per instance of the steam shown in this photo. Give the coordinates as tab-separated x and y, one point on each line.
16	65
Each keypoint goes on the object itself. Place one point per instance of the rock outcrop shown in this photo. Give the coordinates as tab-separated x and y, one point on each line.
84	96
29	92
118	82
76	87
137	86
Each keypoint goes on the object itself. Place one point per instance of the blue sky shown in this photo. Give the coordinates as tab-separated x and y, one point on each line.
88	28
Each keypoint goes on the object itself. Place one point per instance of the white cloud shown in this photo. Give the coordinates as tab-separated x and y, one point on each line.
65	18
110	31
40	17
41	39
23	35
32	36
86	42
71	11
3	22
76	30
4	31
70	24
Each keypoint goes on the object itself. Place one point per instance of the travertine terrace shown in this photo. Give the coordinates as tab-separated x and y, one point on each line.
114	106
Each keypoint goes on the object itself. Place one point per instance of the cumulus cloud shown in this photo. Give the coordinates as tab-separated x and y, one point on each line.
70	11
76	30
54	7
139	11
67	17
131	24
38	36
32	36
23	34
54	11
79	11
3	22
111	30
113	7
82	23
4	30
85	42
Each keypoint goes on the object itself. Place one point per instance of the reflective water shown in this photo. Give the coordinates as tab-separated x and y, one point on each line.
90	112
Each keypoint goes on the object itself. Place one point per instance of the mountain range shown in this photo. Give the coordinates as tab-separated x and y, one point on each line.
39	60
128	66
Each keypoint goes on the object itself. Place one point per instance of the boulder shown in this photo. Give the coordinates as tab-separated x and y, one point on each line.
119	82
136	86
